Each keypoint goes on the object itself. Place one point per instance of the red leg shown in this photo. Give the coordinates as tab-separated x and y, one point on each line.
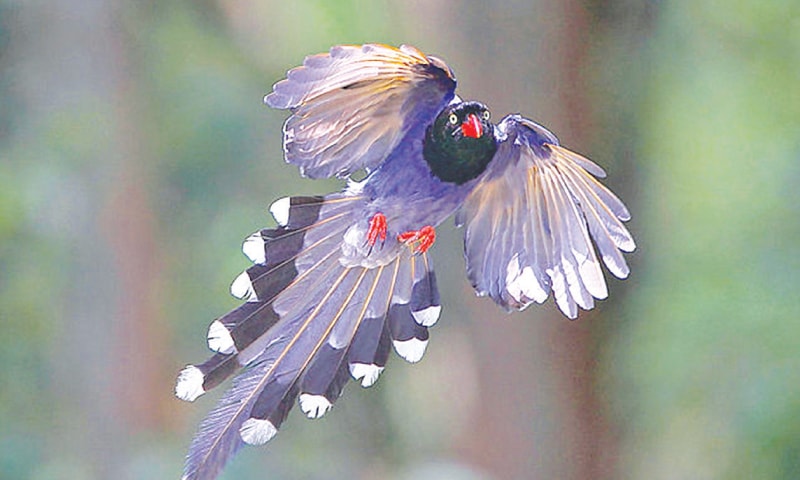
420	240
377	229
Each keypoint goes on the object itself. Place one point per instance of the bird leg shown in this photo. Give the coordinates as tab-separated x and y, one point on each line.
377	229
420	240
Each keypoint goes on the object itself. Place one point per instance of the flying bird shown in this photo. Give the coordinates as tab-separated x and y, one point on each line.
346	277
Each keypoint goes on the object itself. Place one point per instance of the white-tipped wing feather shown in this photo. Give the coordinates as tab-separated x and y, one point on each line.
530	222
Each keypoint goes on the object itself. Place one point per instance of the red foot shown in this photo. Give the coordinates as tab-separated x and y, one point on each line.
423	238
377	229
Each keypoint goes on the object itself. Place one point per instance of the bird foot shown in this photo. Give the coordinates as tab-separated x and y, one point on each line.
377	229
419	240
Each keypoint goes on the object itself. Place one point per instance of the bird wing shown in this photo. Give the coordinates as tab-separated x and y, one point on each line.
351	106
529	221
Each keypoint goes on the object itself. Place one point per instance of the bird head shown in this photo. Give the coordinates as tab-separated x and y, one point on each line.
460	143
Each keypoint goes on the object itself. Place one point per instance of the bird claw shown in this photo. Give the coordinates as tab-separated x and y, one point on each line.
377	229
419	240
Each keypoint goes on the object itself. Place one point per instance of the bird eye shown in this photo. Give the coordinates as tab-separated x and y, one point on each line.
453	119
486	114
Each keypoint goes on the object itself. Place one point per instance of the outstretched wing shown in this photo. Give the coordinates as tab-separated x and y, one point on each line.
351	106
529	221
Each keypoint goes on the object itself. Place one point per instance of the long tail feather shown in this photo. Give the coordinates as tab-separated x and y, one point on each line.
310	323
424	303
226	428
322	382
365	359
370	351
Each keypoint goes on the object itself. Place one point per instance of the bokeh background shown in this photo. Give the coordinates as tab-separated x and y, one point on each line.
135	155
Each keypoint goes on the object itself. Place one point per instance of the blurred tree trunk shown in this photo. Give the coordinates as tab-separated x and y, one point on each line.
110	360
130	227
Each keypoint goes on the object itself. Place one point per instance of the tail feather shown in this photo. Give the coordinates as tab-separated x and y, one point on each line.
195	380
218	437
289	357
409	338
336	387
424	303
227	341
240	336
310	323
293	251
235	330
366	359
245	339
276	253
317	405
246	329
244	415
369	351
217	369
316	380
322	381
416	304
298	212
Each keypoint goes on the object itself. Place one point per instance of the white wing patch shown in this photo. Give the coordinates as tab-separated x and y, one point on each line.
522	284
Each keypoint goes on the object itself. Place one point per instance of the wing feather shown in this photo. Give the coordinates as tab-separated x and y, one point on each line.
351	106
531	221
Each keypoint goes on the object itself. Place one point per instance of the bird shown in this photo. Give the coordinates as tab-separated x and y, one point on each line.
346	277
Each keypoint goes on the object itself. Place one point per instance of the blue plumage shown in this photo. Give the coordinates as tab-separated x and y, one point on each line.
346	277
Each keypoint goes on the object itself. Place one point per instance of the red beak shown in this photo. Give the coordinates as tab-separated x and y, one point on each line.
472	128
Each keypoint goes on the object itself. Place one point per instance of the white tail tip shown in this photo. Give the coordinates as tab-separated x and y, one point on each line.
190	384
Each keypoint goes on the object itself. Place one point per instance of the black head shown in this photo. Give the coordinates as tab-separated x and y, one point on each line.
460	143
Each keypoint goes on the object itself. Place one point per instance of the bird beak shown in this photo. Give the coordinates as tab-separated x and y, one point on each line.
472	127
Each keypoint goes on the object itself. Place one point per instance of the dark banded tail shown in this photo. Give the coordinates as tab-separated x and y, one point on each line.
309	324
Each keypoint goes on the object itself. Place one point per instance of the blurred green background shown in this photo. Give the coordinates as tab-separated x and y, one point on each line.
135	155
